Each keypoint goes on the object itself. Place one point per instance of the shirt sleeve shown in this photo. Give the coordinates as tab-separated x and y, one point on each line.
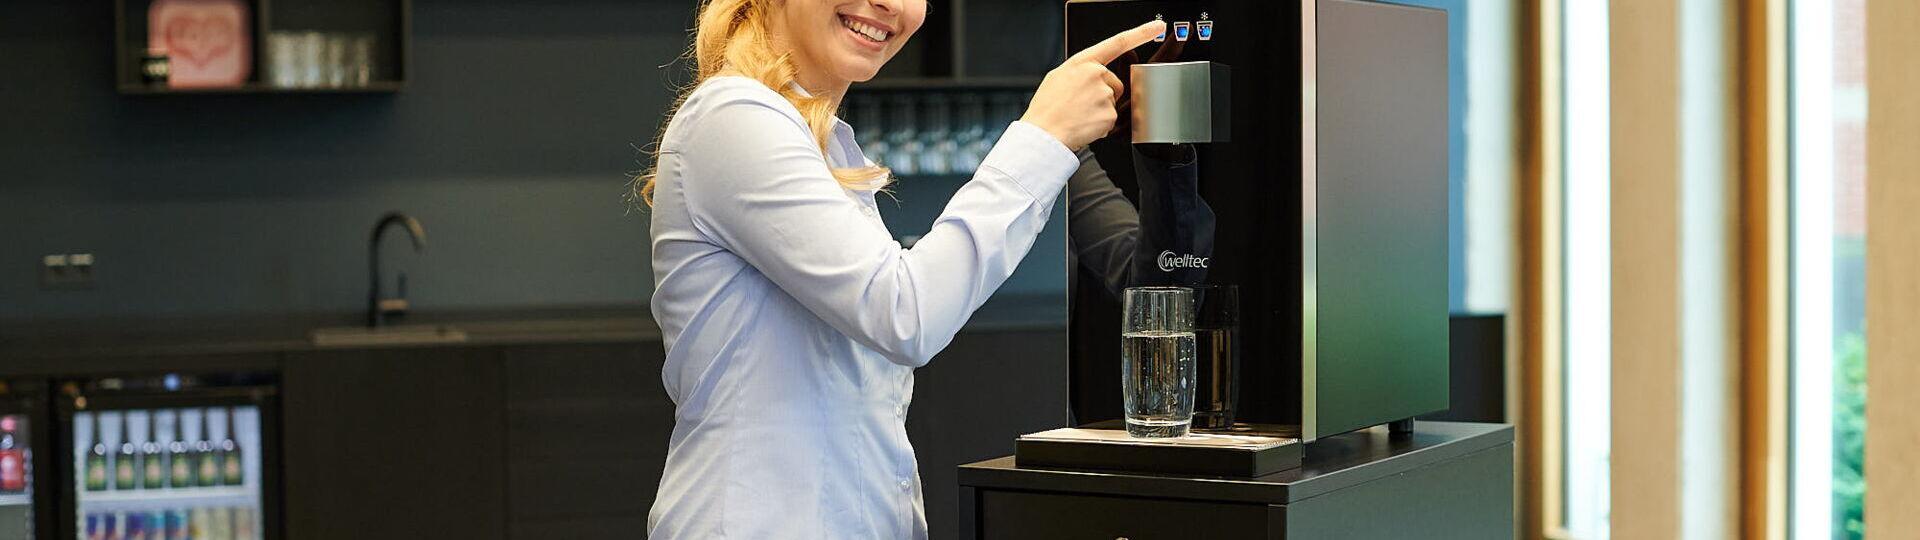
757	186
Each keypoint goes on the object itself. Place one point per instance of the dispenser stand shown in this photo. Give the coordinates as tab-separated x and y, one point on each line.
1448	480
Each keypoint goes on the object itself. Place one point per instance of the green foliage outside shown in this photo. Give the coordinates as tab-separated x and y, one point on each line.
1849	436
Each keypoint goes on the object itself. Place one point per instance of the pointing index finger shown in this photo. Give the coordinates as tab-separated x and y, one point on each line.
1107	50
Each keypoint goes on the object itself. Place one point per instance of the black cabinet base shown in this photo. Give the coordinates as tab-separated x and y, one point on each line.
1444	480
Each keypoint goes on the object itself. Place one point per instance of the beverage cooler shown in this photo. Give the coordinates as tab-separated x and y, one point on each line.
24	505
168	457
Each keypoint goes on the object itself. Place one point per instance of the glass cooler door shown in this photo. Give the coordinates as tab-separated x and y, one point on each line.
169	458
22	419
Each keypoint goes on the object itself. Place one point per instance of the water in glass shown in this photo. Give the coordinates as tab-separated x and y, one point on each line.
1157	378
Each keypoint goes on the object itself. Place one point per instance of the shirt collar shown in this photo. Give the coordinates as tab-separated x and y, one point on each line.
838	124
840	127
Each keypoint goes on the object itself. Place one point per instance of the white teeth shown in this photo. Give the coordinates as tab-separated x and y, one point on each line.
864	29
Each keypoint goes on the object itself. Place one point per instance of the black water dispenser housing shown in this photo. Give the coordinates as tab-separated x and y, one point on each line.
1318	130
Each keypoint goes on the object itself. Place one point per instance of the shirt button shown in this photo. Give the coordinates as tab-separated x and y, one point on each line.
906	484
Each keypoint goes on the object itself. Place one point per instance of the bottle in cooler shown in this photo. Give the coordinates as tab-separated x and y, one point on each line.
97	459
110	525
177	525
126	466
156	524
179	454
136	526
243	528
233	472
13	456
200	523
153	463
219	524
205	457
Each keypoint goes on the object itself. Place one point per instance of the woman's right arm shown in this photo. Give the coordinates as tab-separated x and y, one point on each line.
758	186
755	184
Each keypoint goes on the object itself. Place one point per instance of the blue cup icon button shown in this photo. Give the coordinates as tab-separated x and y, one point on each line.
1181	30
1205	30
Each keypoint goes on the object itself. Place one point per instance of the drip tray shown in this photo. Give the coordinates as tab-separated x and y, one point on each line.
1106	446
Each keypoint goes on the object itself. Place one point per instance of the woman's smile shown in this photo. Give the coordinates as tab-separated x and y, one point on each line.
836	42
868	33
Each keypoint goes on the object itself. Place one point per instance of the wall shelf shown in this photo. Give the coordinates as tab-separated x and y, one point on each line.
389	22
376	87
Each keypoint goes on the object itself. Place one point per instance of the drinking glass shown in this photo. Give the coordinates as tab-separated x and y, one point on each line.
284	58
359	59
867	127
971	137
1003	112
1216	332
333	60
308	53
936	134
903	135
1157	361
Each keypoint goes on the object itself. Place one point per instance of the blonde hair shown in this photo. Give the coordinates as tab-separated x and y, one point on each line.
732	37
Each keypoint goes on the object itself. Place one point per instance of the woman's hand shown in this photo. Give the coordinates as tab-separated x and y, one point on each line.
1075	103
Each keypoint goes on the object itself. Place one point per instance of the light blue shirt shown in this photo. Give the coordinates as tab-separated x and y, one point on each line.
793	320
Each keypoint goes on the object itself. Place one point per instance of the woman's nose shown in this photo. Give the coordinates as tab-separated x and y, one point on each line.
887	6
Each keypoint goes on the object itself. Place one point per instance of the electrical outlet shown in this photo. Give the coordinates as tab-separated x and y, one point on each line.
67	272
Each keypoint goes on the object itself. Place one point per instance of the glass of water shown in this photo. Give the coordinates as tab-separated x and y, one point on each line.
1157	361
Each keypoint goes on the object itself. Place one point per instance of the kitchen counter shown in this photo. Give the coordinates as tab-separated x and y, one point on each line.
33	347
566	406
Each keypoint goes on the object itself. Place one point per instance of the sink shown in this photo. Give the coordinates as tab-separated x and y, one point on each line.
398	335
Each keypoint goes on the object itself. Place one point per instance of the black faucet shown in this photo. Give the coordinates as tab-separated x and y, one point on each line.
380	308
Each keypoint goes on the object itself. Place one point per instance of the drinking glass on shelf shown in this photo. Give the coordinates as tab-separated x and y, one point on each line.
1005	112
283	59
936	134
1157	361
970	137
334	59
867	128
359	59
903	134
309	53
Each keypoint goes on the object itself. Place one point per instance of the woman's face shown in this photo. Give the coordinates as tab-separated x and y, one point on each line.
836	42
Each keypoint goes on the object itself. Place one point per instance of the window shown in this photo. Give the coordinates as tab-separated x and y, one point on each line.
1586	380
1827	246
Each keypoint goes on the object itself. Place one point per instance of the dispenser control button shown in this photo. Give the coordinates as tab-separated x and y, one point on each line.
1205	29
1181	30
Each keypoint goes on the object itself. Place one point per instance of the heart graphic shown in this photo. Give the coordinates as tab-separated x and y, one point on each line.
200	40
207	42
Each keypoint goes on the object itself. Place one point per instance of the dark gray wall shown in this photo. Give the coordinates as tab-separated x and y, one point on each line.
511	143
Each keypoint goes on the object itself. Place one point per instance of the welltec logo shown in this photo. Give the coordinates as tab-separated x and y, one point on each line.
1169	261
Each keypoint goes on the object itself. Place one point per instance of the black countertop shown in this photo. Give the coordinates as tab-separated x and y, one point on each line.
31	345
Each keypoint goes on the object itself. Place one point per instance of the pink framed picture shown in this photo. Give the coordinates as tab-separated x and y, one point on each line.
208	43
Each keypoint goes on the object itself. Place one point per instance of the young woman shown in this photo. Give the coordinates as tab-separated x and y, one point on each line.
792	319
